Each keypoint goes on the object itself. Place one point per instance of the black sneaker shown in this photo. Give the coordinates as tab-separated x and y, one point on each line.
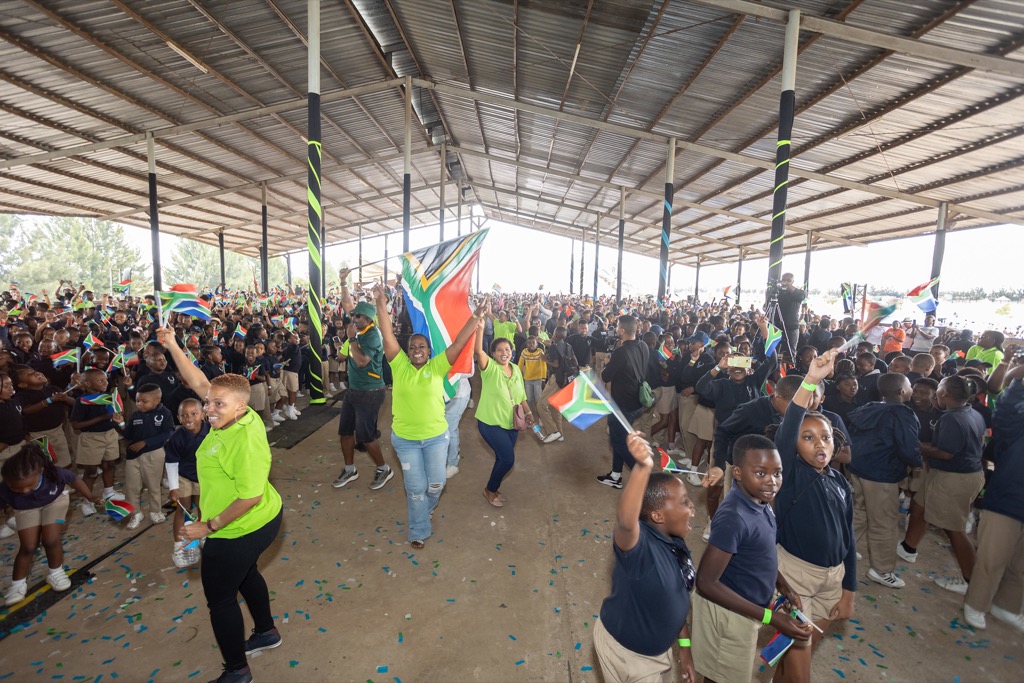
607	480
267	640
240	676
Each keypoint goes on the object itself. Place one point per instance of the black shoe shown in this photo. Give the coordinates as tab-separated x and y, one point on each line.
267	640
607	480
239	676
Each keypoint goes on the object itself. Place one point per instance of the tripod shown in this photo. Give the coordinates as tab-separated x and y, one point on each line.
774	313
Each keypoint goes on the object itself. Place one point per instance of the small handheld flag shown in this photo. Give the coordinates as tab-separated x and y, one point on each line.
97	399
251	372
117	510
664	353
772	342
183	299
669	465
44	443
579	403
91	341
922	296
240	332
65	358
874	313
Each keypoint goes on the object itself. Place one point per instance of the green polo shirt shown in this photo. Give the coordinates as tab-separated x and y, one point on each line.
504	330
368	378
232	464
498	394
417	397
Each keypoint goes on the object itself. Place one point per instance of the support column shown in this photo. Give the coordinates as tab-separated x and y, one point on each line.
360	253
597	253
939	249
264	259
787	102
444	181
223	270
739	276
407	176
696	282
807	264
666	219
385	259
288	265
622	239
154	216
583	254
458	214
572	265
314	241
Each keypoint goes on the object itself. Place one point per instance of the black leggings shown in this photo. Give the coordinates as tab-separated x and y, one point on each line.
229	568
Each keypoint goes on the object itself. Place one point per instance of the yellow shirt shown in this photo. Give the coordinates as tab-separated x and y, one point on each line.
533	365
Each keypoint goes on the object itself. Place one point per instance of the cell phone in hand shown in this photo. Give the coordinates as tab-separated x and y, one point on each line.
738	361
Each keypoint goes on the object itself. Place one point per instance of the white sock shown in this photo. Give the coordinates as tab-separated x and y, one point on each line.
55	570
19	582
616	475
108	491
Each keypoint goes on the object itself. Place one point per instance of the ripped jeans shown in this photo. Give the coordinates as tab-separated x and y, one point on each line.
423	469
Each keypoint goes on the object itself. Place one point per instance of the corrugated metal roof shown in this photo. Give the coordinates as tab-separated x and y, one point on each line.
548	109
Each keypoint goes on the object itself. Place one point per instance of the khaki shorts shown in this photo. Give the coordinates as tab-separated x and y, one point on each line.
703	423
952	494
275	389
724	642
666	400
291	381
819	588
914	481
619	663
334	365
52	513
96	448
8	452
187	487
258	397
58	442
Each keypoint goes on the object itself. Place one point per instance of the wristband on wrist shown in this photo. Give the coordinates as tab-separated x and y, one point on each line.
684	642
809	387
49	401
767	618
209	525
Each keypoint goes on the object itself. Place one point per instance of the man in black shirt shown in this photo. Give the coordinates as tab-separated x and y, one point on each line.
582	345
787	316
625	372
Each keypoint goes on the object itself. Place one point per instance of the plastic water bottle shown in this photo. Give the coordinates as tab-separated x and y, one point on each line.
536	430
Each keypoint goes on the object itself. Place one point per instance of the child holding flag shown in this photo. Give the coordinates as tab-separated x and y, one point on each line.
97	443
146	433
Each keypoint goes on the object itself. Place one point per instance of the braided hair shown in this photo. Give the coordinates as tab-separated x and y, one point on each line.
29	459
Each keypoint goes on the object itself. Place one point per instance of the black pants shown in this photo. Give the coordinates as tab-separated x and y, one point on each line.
229	568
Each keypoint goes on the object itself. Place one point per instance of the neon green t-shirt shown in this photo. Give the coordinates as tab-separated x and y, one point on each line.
417	397
992	356
498	394
506	330
234	463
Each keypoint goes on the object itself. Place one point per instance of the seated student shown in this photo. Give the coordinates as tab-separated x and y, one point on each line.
97	442
867	377
43	409
900	364
805	355
921	365
646	612
868	347
180	467
844	399
885	444
211	361
953	480
145	433
739	573
997	581
23	348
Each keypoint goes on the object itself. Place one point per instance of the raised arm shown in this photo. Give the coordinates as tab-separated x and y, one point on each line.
346	298
627	518
190	373
467	331
482	359
391	345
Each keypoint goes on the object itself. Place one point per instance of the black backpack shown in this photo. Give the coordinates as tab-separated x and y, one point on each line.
568	366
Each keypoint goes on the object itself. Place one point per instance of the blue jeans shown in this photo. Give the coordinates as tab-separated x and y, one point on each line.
423	465
453	413
617	438
503	442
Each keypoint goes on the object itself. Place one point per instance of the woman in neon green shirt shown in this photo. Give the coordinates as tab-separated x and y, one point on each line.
241	513
501	388
419	430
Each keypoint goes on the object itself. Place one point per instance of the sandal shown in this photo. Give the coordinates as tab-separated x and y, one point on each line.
501	497
493	499
416	545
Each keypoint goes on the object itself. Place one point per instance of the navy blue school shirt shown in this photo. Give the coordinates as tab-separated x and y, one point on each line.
687	371
181	448
746	529
266	362
838	423
210	370
45	492
153	427
12	430
49	417
166	380
650	596
960	431
291	355
927	418
750	418
885	441
837	405
815	510
1004	488
727	395
82	412
867	387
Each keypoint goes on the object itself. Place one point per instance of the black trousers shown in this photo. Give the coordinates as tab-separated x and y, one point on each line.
229	568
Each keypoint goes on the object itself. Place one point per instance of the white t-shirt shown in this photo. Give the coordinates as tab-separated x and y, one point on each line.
923	344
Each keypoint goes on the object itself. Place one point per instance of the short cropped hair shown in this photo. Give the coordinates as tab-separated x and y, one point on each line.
747	443
656	493
786	387
891	384
149	389
233	383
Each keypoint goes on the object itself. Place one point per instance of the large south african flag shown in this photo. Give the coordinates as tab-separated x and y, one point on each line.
580	403
435	283
184	299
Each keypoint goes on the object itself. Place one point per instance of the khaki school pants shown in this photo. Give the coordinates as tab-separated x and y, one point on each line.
876	521
550	419
998	576
144	471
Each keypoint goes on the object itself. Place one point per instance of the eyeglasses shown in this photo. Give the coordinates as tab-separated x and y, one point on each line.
686	569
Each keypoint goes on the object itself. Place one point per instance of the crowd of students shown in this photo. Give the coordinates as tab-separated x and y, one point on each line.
809	459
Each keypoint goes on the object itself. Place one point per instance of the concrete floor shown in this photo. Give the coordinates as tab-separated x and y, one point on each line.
496	595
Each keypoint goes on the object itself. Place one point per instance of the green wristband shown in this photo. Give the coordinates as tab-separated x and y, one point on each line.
767	618
684	642
811	388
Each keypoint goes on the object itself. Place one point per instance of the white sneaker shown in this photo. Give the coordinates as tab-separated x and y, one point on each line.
296	411
271	426
693	479
679	452
1015	620
342	386
888	579
707	532
58	580
6	531
289	412
907	557
299	394
135	521
451	471
15	594
276	416
333	389
87	508
554	436
954	584
115	496
157	517
974	618
12	523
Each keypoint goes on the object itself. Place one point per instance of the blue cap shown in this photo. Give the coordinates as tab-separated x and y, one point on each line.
697	336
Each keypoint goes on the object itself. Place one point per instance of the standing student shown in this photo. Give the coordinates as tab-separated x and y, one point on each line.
146	433
36	489
816	547
534	367
180	466
647	610
98	440
625	371
419	431
739	572
43	410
